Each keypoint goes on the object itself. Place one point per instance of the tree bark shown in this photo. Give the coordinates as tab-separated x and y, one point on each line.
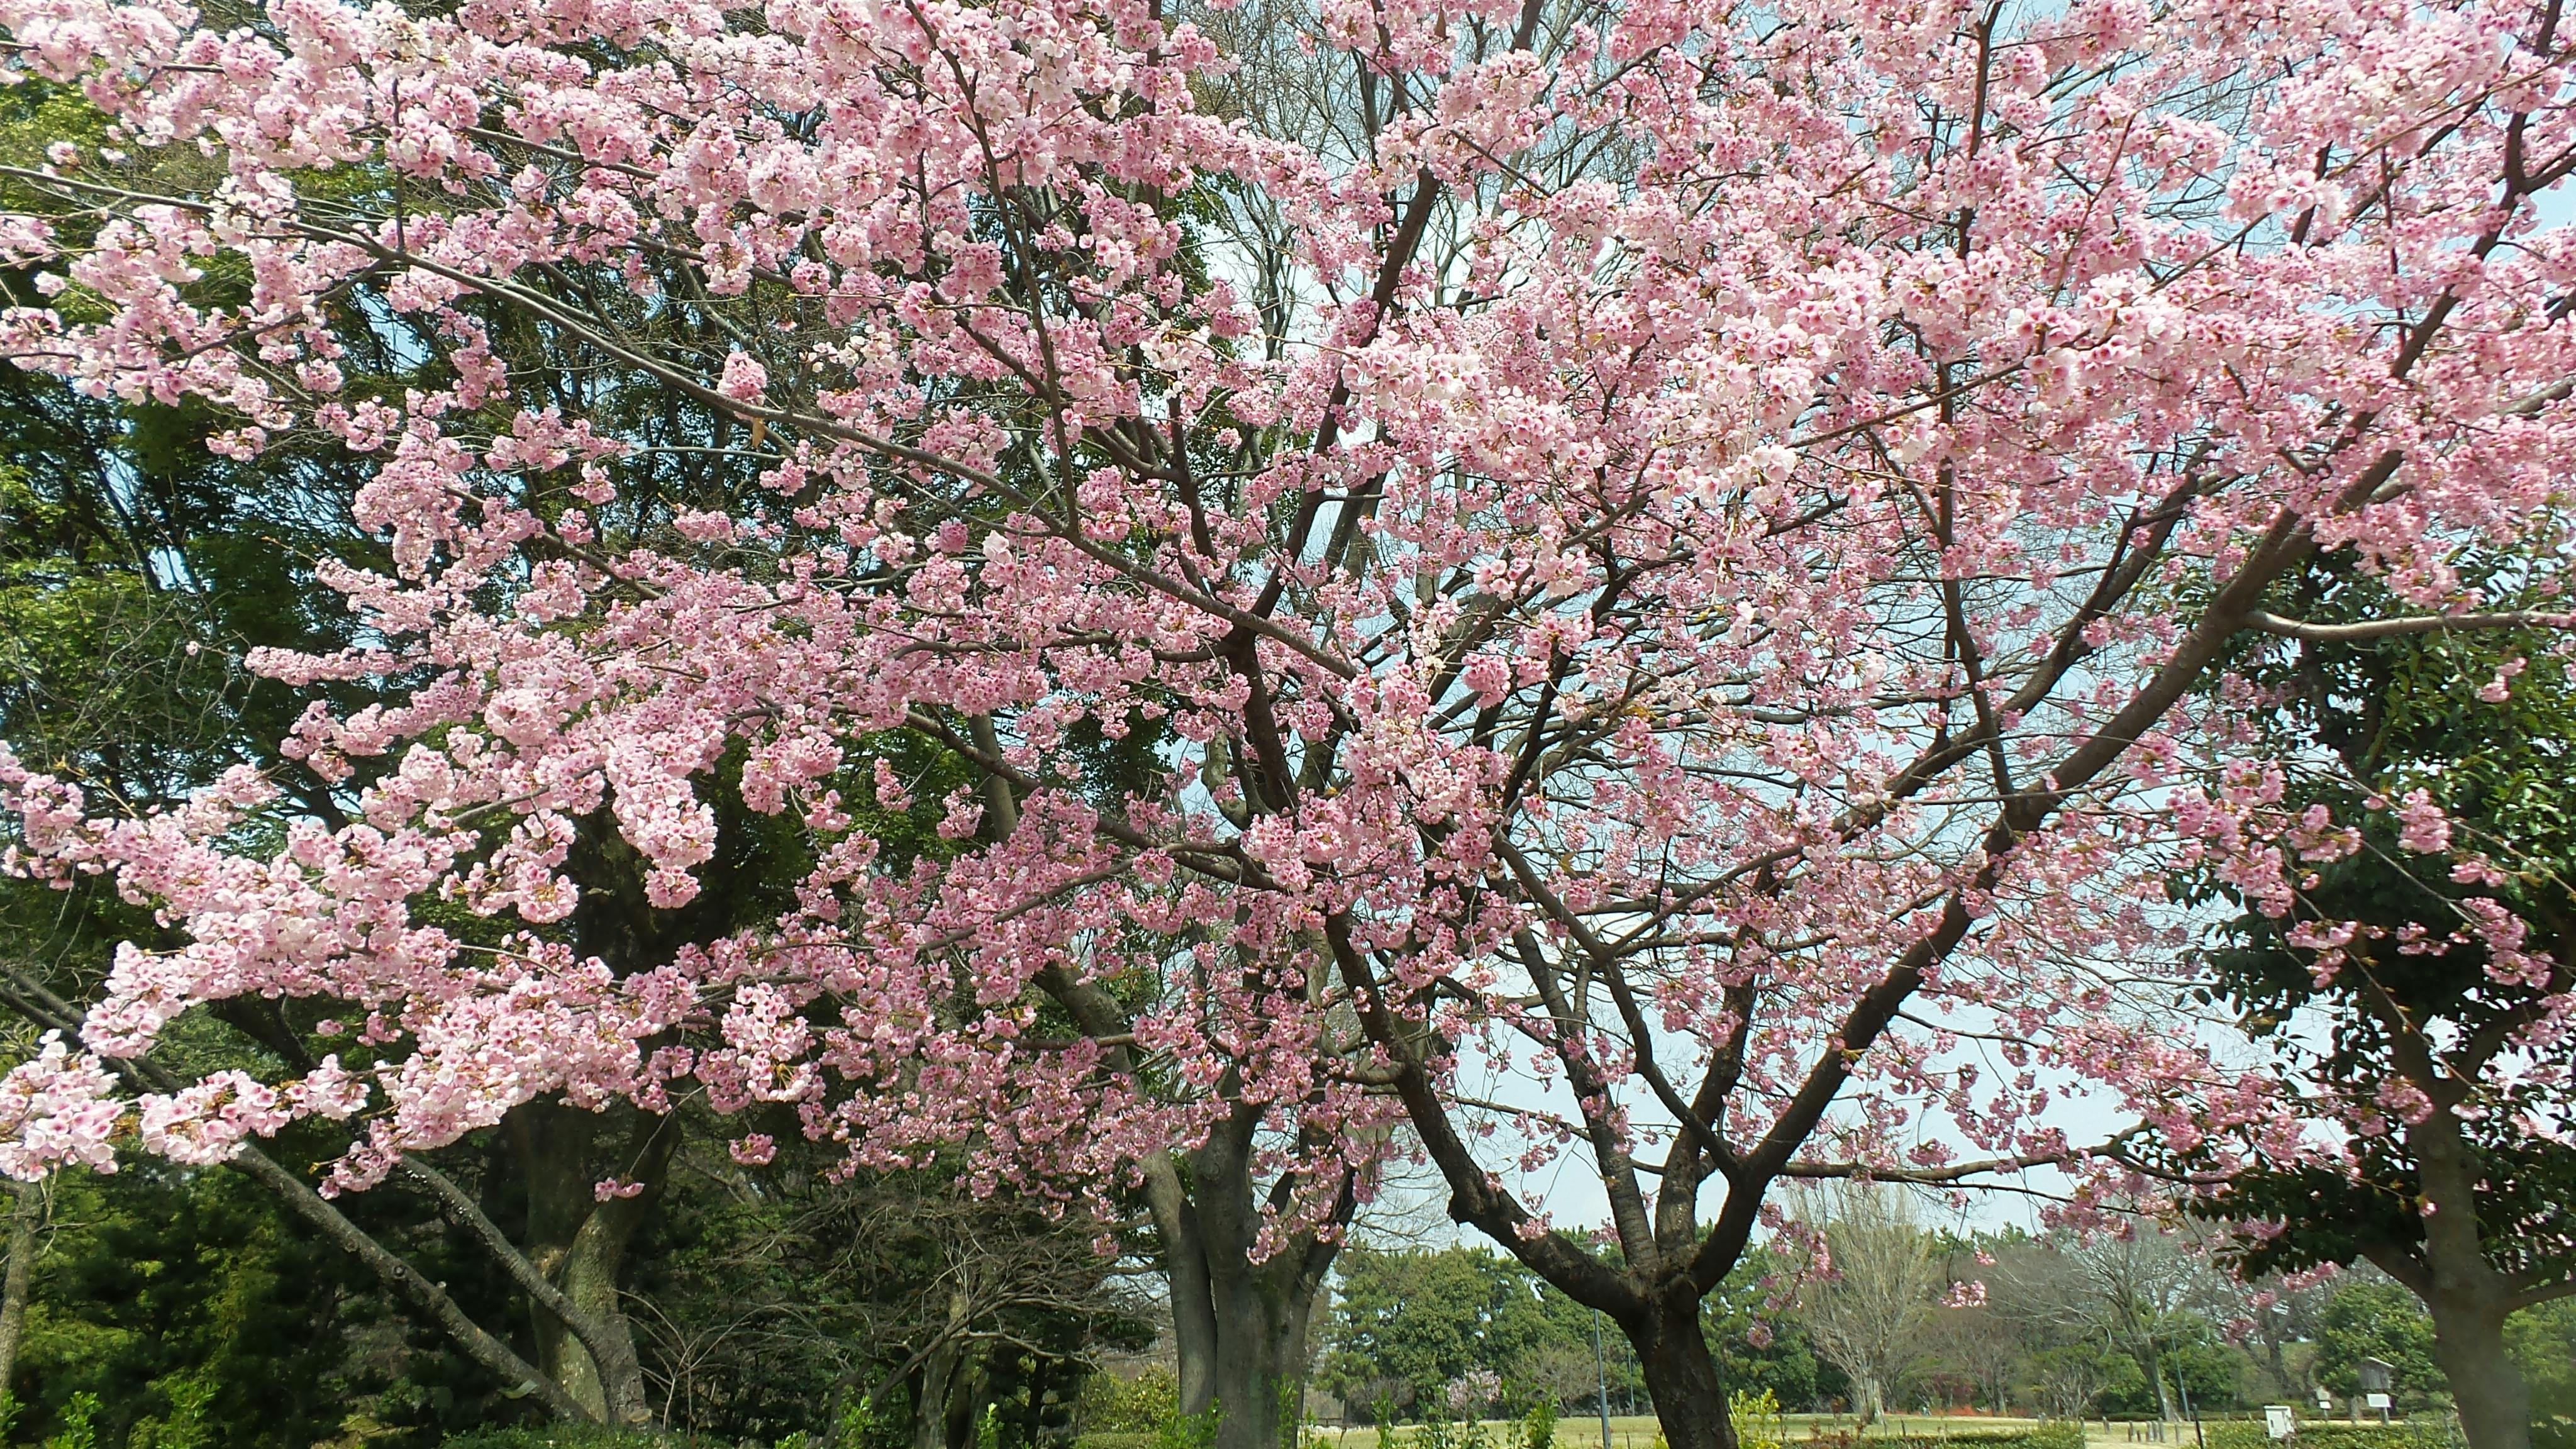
1681	1374
24	1219
937	1377
2464	1292
579	1242
2494	1402
1239	1325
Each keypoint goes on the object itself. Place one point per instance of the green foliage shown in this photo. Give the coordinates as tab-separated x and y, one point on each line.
187	1425
79	1424
2395	715
1143	1412
1756	1417
2543	1341
1138	1405
1538	1426
553	1436
178	1309
2382	1321
1404	1324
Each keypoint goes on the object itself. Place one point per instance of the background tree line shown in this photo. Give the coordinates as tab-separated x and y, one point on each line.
2143	1325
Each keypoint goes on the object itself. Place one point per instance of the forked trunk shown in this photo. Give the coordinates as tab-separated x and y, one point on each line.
1239	1325
1681	1375
1245	1361
579	1241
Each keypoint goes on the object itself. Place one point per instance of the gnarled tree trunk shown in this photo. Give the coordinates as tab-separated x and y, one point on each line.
1238	1324
578	1240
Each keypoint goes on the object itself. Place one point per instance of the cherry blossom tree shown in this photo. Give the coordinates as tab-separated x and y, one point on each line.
1630	585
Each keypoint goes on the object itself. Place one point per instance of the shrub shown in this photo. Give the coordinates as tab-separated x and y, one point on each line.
2439	1433
1757	1420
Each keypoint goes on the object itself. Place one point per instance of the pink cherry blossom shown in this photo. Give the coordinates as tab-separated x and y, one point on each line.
1671	588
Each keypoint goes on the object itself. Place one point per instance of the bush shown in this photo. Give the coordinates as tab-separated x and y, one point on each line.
2327	1434
1115	1408
1757	1420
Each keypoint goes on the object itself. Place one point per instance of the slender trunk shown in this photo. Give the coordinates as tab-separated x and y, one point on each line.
23	1221
1681	1374
966	1403
2486	1384
579	1241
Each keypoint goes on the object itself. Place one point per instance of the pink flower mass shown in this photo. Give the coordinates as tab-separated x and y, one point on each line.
1687	558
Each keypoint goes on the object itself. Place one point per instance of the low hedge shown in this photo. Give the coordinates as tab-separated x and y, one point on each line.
2038	1436
2329	1434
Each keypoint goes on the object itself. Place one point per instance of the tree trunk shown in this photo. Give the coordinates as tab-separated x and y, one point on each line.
938	1377
2486	1384
1869	1399
1239	1325
29	1212
579	1242
1681	1374
2461	1288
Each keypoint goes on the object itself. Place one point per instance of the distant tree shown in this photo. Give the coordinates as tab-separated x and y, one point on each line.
1867	1308
1760	1343
1407	1323
2383	1321
1985	1348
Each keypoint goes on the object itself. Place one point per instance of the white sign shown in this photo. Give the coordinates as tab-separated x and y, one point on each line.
2281	1419
2375	1401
